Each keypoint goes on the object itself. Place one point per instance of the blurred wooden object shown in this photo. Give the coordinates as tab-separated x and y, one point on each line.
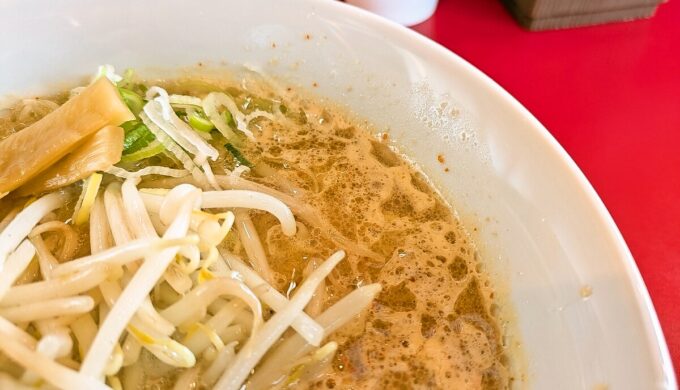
555	14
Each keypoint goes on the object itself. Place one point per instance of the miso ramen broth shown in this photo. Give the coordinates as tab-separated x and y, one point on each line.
432	323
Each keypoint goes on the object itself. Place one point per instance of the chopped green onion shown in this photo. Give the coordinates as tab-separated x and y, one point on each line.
133	136
185	102
134	102
229	119
126	82
130	125
150	150
137	136
133	132
128	73
198	121
140	143
238	156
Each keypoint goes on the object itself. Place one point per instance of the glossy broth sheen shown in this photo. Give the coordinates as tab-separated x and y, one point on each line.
433	325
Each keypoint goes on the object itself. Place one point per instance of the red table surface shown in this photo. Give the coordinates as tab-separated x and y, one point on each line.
610	94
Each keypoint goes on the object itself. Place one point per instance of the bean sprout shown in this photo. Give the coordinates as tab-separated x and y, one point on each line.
295	346
136	291
307	327
260	342
24	222
15	265
54	373
200	297
48	308
253	246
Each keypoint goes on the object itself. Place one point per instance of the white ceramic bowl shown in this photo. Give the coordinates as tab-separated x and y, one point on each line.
545	233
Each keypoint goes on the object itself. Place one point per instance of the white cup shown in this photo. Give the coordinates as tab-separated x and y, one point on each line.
406	12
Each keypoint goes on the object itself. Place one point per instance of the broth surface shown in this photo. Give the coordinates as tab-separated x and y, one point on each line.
431	326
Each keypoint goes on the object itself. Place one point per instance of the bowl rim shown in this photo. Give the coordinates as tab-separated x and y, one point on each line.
442	54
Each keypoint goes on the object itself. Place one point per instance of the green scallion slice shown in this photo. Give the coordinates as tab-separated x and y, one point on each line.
229	119
150	150
134	102
137	136
238	156
198	121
